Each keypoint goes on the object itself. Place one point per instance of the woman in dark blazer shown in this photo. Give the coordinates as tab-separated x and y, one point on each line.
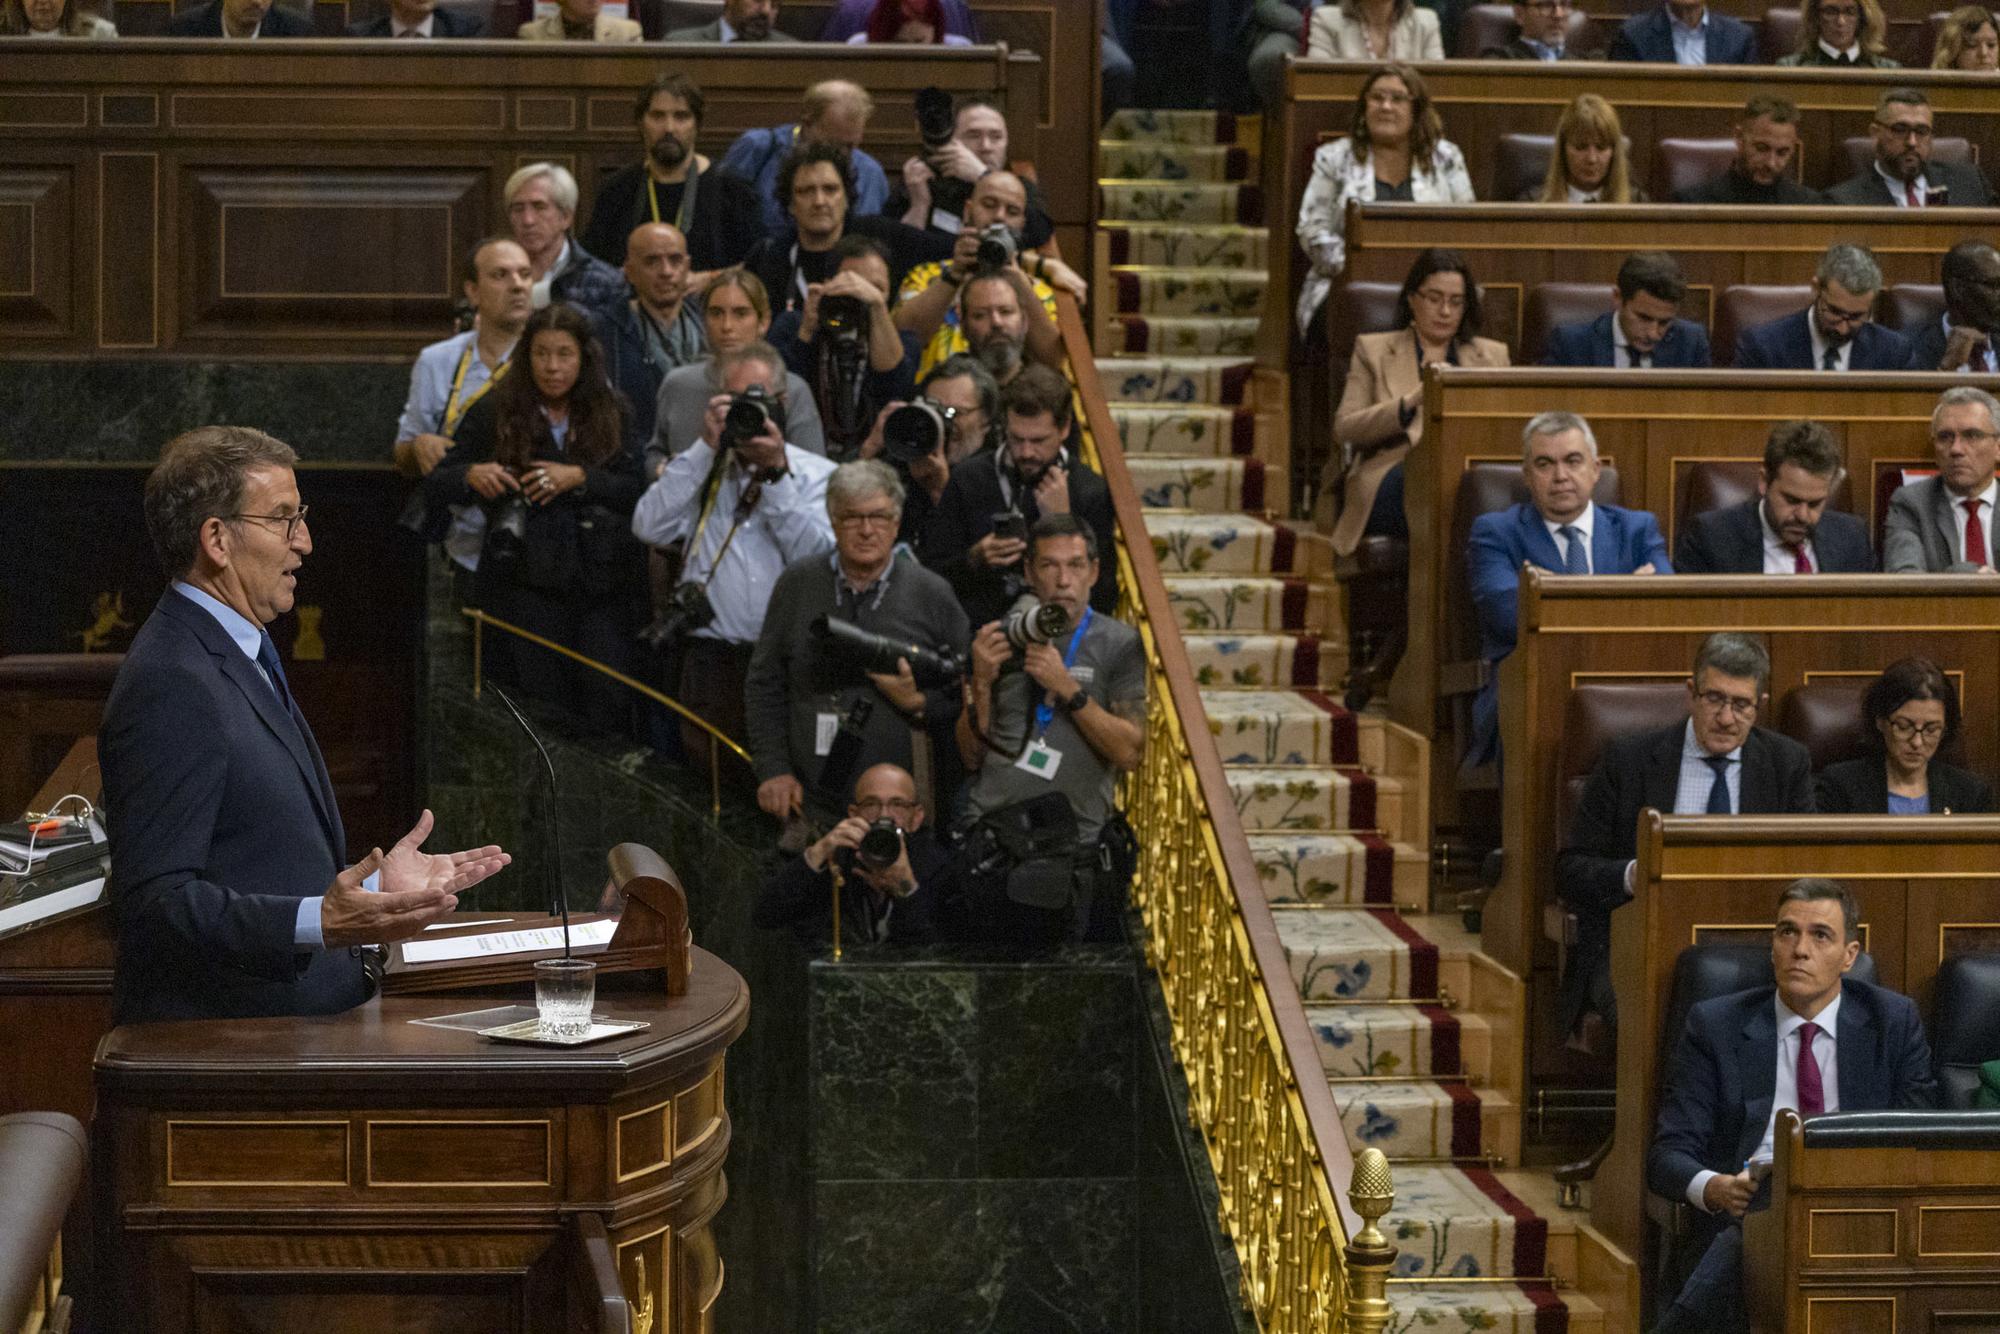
1914	712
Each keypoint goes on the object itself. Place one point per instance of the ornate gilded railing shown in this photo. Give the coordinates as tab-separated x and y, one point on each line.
1275	1140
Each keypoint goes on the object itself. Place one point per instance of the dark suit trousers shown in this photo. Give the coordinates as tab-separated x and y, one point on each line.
1711	1301
711	685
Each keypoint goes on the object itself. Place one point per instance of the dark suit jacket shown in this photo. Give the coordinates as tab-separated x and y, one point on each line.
728	218
221	819
207	22
1686	345
1648	37
1517	48
1861	787
1965	186
712	32
1732	187
444	23
802	898
1786	345
1717	1092
1731	541
1927	342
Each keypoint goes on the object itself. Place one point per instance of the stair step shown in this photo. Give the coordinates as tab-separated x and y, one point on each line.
1184	428
1281	727
1216	245
1338	869
1273	799
1181	201
1220	603
1197	543
1350	954
1160	379
1495	1308
1166	482
1453	1222
1214	293
1179	127
1188	335
1155	160
1400	1041
1424	1119
1260	661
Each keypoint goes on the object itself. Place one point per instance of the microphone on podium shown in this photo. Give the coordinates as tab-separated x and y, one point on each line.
558	900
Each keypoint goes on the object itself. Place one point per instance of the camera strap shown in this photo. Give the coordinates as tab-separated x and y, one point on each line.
685	213
711	491
1045	712
455	408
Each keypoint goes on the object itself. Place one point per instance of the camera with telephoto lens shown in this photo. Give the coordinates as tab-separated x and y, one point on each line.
915	431
878	653
687	610
937	117
997	247
882	845
1036	623
844	320
747	415
506	531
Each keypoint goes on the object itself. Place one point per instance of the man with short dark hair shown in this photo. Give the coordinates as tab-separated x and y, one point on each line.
1031	474
1903	174
230	881
716	210
740	21
855	367
420	18
1541	32
1962	339
816	182
1837	332
1718	762
450	376
1685	32
1767	144
1815	1042
835	112
1787	528
1944	524
655	330
1642	330
541	205
240	19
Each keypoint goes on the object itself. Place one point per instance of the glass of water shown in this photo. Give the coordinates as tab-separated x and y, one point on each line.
564	992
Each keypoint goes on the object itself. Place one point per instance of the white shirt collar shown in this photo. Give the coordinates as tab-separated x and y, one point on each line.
1790	1019
243	632
1820	345
1619	344
1581	196
1899	188
1958	501
398	28
729	33
1584	523
1692	749
1851	53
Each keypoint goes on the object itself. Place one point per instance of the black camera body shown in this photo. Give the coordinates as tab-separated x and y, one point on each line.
843	320
881	846
997	247
937	117
747	415
878	653
916	431
506	531
687	610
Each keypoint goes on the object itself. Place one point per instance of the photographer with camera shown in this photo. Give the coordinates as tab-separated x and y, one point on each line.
816	183
961	143
845	344
547	454
988	246
1055	710
899	886
921	440
976	537
859	656
747	503
735	312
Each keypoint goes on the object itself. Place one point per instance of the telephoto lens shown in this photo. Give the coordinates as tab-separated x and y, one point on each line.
1037	623
878	653
881	845
915	431
937	117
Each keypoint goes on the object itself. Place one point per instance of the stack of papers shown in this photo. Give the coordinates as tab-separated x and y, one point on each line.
25	849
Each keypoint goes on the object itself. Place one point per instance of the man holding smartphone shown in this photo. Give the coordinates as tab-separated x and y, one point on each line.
978	533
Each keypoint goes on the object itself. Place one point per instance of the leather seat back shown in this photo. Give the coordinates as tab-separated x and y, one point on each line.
1521	163
1965	1024
1747	305
1779	33
1703	972
1911	305
1597	712
1481	27
1826	718
1682	164
1859	151
1551	304
1358	308
1716	484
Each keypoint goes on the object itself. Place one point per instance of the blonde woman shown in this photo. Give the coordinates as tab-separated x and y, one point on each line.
1395	150
1968	39
51	18
1588	165
1374	30
1836	33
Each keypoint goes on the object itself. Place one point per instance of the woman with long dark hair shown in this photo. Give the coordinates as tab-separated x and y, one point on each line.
1912	712
547	454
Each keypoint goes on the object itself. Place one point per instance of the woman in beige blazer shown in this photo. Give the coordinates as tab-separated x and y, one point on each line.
1381	410
580	21
1374	30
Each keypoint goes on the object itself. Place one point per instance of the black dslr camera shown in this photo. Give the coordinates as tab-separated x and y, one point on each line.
916	431
1036	623
748	414
997	247
686	611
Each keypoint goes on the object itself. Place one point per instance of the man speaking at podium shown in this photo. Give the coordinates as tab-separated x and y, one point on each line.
226	842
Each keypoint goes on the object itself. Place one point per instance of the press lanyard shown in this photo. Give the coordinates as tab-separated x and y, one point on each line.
685	212
1045	712
454	411
799	274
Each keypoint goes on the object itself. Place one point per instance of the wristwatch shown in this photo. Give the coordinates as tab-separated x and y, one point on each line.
1075	703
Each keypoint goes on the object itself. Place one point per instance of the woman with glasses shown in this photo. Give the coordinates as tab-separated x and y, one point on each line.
1837	33
1968	39
1589	163
1394	151
1913	710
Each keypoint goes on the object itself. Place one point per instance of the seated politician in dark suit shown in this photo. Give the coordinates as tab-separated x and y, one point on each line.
1902	174
1558	528
1913	713
1718	762
1767	144
740	21
1814	1042
1787	529
1679	33
230	881
419	18
1641	331
1962	338
240	18
1541	32
1945	523
1837	332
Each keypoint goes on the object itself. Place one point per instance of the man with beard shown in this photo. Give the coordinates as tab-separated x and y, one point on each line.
1903	174
741	21
835	112
655	330
1767	141
1962	339
1029	475
817	185
934	295
1787	528
1945	523
716	210
1837	332
541	205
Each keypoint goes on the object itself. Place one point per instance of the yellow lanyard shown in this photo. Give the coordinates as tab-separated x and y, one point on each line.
454	410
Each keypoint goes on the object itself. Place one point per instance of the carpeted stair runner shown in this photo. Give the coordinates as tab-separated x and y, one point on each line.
1179	283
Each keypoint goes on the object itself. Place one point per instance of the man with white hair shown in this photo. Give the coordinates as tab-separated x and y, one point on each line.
834	112
541	205
1945	523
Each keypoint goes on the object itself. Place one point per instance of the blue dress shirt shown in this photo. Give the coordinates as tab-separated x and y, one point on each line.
1690	44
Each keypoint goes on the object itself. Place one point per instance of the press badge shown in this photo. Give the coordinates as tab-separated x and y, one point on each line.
1040	760
826	726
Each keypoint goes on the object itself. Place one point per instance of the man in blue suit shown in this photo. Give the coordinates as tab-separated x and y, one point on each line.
1786	528
419	18
227	848
1559	528
1837	332
1813	1043
242	19
1685	33
1641	332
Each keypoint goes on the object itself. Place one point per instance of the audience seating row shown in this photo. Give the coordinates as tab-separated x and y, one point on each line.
1911	38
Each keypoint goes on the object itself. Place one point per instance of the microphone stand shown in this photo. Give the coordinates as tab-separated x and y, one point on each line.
558	900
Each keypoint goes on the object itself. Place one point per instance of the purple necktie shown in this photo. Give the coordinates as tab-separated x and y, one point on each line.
1812	1097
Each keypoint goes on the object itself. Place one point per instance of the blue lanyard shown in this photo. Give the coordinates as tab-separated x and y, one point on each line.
1045	712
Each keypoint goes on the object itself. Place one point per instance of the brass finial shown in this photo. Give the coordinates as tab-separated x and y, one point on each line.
1372	1193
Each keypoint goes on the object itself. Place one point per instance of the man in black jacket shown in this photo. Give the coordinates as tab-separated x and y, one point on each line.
1717	763
1788	529
1962	340
419	18
1541	30
1767	140
240	18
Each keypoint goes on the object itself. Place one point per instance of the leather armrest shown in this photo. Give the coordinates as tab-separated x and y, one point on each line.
1911	1129
41	1162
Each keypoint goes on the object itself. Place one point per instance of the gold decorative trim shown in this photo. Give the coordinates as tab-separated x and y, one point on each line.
1924	1209
548	1152
666	1141
1895	1235
1814	1302
346	1153
1959	926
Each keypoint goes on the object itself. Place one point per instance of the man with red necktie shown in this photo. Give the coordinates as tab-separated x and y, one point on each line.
1904	172
1788	527
1945	523
1815	1042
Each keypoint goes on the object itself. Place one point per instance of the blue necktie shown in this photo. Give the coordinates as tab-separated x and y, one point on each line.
267	658
1718	796
1574	561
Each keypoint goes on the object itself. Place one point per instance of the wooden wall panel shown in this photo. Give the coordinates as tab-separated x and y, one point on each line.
36	277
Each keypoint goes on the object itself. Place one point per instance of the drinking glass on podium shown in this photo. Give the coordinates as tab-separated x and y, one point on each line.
565	990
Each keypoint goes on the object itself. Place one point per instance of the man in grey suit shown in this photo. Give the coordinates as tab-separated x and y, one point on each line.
741	21
1903	174
1945	523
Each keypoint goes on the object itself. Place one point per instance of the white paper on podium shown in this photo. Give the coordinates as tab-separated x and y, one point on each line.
497	943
